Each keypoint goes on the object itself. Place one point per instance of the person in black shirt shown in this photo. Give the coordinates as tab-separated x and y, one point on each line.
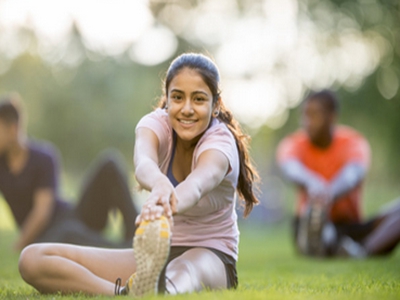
29	183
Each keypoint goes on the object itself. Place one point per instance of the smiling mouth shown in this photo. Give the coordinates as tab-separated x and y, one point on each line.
186	121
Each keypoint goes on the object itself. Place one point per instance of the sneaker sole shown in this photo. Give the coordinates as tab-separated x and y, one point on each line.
151	246
316	223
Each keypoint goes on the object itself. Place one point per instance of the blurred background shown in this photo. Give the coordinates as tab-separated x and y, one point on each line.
88	70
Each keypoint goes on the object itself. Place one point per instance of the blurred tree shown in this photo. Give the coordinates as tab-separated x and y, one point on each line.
374	107
84	101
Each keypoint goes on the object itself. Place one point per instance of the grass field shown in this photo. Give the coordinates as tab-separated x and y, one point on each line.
268	269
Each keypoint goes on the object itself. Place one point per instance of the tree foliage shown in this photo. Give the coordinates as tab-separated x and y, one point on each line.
84	101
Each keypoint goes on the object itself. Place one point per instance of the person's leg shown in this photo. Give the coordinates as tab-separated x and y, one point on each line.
194	270
106	189
52	268
74	231
386	234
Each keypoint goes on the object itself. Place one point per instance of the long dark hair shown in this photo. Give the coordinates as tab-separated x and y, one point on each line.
207	69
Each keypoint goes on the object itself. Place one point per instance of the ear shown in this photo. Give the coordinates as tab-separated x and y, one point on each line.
164	100
217	106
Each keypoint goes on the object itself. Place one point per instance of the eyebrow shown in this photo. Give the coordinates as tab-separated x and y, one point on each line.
193	93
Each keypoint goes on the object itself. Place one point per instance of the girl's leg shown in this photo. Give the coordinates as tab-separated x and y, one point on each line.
107	189
194	270
64	268
387	233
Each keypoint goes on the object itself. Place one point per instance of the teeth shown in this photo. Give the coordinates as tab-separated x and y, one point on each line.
186	121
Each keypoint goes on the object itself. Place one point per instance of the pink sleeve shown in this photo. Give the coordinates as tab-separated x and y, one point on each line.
221	139
157	121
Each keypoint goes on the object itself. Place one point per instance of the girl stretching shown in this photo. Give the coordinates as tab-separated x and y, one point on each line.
192	157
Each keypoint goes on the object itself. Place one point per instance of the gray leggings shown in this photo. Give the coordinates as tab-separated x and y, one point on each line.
228	261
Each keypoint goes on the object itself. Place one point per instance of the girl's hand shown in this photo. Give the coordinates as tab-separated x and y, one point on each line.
163	194
161	201
150	212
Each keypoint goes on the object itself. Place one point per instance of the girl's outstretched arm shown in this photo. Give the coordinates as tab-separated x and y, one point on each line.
211	169
149	175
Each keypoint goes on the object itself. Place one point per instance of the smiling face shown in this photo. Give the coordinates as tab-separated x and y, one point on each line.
190	106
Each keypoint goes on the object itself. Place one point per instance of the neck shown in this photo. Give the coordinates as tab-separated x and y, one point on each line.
324	141
18	149
185	147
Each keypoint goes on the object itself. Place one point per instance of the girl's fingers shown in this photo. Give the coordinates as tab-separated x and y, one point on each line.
166	205
150	213
173	204
138	220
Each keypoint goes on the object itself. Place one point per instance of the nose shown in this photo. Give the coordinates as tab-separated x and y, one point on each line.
187	107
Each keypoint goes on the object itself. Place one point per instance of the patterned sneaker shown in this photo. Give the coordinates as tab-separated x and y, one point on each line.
316	224
128	286
310	234
349	248
151	246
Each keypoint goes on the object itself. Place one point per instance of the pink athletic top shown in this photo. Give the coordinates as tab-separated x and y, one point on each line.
212	222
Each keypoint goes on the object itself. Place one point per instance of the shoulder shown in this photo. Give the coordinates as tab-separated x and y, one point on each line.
218	131
158	116
158	122
43	151
347	134
297	138
218	137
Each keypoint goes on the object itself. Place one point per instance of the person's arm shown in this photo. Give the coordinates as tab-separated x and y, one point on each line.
347	178
37	219
148	173
211	168
355	169
315	185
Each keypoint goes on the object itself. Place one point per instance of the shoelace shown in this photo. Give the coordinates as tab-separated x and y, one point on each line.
117	286
173	285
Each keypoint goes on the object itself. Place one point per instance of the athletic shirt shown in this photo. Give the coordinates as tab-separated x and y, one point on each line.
347	146
212	222
40	171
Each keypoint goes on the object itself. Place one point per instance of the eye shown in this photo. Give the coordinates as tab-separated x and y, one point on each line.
176	97
200	99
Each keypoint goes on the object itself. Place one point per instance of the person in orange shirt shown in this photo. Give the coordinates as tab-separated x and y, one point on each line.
328	163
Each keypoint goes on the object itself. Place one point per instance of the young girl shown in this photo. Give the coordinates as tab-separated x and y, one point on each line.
192	157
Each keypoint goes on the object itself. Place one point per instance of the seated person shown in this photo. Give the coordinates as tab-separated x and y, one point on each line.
328	163
29	182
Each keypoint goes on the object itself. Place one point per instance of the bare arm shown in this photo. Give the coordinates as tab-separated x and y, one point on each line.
148	173
211	168
37	219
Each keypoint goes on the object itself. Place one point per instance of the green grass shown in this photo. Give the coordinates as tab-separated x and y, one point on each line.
268	268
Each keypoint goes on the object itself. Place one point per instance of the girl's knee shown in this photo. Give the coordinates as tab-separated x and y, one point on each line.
28	262
182	277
